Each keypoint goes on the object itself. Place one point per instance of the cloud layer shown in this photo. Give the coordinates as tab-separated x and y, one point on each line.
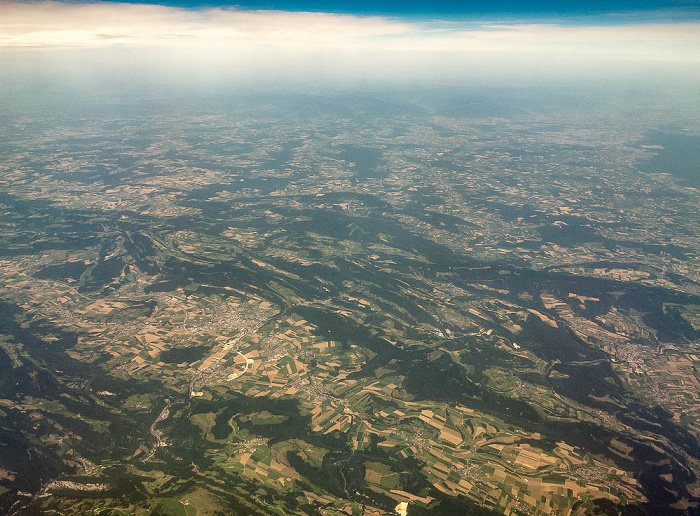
53	24
113	25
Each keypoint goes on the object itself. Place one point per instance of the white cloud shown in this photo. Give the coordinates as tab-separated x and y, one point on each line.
646	42
52	24
223	42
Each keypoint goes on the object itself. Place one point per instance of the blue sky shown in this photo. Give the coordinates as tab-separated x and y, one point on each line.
651	10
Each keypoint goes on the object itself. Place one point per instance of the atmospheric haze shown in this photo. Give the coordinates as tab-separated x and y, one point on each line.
223	46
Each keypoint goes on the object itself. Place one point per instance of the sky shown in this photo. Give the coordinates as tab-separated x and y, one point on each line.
459	8
184	42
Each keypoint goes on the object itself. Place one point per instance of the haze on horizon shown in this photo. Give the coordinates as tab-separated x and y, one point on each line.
128	46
